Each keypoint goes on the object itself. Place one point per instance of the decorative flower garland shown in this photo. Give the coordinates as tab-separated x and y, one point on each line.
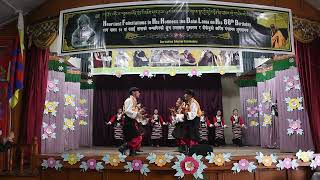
287	163
194	72
114	159
218	159
72	158
243	165
51	163
294	127
266	160
48	131
159	160
305	156
294	103
189	165
137	165
91	164
292	83
146	73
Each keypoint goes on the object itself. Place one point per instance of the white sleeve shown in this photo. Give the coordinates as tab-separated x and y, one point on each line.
193	113
128	109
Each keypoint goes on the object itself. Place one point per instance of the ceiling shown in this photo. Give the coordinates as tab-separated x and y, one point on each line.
9	8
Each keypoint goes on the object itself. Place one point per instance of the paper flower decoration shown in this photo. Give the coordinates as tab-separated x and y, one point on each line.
118	74
81	112
294	103
287	163
53	85
114	159
218	159
83	123
60	68
50	107
222	72
252	112
61	60
194	72
83	101
305	156
90	81
260	109
254	123
173	72
51	163
315	163
91	164
90	74
146	73
251	101
72	158
292	83
159	160
137	165
266	160
266	97
68	124
48	131
267	120
294	127
69	99
189	165
243	165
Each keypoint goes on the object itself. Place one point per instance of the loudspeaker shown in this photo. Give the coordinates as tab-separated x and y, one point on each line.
200	149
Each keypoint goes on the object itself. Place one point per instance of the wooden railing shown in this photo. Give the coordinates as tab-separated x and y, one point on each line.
20	159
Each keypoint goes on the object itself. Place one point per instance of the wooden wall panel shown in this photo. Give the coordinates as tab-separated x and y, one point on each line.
271	174
303	173
75	174
160	175
229	175
54	175
115	175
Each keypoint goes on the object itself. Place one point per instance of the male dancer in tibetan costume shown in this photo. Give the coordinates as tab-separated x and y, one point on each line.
192	120
237	125
131	131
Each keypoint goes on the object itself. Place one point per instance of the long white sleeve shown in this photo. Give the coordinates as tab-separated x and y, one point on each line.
128	104
193	113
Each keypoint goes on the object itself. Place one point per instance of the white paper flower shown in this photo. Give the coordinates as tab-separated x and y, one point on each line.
48	131
294	127
90	81
69	99
294	103
60	68
305	156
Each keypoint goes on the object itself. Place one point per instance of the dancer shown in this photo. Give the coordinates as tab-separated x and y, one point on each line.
219	129
117	120
171	125
204	124
156	123
131	132
178	119
237	125
192	120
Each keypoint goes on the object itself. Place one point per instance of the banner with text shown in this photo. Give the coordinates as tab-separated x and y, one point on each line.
159	24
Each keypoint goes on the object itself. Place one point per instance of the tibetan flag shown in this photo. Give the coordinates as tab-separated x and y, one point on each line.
17	65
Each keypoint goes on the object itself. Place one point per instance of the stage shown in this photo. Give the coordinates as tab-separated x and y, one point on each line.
234	150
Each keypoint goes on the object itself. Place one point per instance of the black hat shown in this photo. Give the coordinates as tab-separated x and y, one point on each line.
189	92
132	89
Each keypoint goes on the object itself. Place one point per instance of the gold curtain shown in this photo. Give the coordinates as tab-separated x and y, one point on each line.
43	34
305	30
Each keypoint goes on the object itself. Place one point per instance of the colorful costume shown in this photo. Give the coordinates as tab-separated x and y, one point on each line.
118	121
130	126
237	124
204	124
219	130
156	123
192	123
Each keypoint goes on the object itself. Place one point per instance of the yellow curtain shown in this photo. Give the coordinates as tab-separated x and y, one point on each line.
305	30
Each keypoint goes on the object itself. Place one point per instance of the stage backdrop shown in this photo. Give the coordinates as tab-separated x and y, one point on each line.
161	92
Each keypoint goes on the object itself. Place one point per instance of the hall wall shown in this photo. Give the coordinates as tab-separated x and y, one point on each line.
52	8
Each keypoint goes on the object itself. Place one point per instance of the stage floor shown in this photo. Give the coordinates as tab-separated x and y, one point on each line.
235	151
